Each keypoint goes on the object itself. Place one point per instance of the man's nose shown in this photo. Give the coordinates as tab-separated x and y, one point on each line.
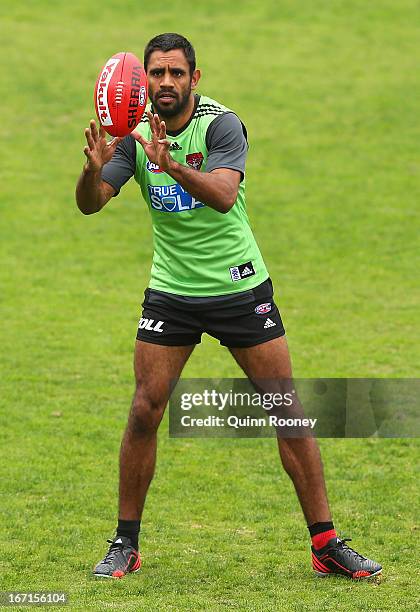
167	80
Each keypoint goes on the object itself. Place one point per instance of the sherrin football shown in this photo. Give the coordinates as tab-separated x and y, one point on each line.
121	94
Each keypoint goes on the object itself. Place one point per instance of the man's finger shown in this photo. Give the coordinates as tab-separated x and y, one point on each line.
89	138
162	130
141	139
94	130
102	133
151	122
87	152
157	124
114	142
137	135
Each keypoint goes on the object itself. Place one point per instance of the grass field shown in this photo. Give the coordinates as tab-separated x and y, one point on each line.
329	92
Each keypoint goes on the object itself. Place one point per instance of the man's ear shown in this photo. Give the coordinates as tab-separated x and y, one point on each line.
195	78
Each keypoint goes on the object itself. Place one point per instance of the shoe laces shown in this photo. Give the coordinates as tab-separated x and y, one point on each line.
349	551
113	549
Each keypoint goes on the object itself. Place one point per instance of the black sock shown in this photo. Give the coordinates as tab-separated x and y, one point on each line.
129	529
317	528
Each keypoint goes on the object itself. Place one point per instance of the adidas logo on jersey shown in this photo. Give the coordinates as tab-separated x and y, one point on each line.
246	271
151	325
242	271
269	323
175	147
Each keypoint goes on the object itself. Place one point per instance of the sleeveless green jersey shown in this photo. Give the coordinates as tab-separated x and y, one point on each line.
197	250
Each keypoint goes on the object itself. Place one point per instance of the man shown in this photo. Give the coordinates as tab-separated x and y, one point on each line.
188	157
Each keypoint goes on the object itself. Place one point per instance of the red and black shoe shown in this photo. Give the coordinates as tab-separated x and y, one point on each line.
121	559
336	558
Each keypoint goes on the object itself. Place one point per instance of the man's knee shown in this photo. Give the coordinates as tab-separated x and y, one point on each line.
146	412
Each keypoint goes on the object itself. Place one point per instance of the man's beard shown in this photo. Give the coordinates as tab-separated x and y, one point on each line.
175	109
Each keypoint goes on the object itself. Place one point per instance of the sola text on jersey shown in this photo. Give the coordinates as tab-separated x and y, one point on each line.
171	198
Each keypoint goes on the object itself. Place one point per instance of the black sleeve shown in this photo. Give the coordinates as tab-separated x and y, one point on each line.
226	143
122	165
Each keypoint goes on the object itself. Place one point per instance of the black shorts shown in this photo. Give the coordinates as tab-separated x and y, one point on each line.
236	320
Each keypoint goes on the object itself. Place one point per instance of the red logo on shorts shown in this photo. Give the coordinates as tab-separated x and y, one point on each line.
194	160
263	308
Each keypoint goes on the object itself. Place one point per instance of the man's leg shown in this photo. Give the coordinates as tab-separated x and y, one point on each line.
300	456
301	460
155	366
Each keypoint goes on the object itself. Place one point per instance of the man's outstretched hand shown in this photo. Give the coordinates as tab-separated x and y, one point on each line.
156	149
98	151
217	189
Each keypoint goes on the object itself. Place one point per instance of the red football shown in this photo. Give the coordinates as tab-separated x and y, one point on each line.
121	94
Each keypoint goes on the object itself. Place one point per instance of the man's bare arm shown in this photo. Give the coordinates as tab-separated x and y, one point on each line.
92	193
218	189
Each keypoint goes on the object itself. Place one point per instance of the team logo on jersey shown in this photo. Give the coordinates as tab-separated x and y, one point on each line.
195	160
154	168
242	271
263	308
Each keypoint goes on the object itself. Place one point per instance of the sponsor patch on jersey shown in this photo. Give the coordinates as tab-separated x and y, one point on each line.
171	198
242	271
195	160
263	308
154	168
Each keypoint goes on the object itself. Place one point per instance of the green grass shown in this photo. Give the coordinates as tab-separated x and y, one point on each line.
329	92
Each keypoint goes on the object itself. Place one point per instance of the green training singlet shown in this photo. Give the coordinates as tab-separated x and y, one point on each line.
197	250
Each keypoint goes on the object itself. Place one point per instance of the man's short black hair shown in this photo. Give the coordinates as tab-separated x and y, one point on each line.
168	42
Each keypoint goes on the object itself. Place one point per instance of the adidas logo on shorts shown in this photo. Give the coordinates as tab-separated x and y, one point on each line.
269	323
